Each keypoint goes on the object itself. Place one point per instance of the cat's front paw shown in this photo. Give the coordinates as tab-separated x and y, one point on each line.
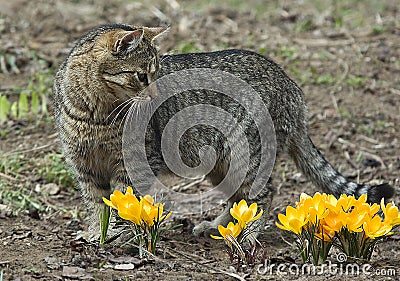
205	228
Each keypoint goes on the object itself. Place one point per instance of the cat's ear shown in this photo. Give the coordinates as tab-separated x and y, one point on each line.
155	34
129	41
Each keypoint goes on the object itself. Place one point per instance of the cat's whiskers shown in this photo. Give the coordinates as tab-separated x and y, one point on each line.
125	105
118	107
127	115
135	108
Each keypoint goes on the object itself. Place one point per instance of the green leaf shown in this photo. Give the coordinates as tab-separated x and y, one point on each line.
23	105
105	214
44	104
35	107
5	108
14	109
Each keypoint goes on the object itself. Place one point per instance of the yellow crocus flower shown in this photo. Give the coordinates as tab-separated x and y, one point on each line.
391	213
315	207
245	214
367	209
115	197
374	228
294	220
332	222
130	210
127	205
151	212
227	233
352	220
344	203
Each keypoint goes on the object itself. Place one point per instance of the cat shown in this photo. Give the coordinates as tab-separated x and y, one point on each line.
113	64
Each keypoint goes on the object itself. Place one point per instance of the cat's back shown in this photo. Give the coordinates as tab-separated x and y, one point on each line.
282	96
250	66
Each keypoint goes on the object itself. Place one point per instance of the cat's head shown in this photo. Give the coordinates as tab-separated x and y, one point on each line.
127	60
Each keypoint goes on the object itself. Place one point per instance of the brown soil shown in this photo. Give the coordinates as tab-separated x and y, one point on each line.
354	123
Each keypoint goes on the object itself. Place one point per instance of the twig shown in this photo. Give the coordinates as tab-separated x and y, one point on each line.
174	4
347	156
322	42
48	204
55	135
160	15
337	84
364	150
333	98
370	140
352	145
203	260
395	91
8	177
287	242
28	150
213	269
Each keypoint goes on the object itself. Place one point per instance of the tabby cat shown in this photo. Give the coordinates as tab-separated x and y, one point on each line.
114	63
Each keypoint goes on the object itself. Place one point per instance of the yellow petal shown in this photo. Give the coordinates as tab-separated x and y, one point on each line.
304	196
216	237
383	207
129	190
148	199
362	198
109	203
242	206
126	215
283	219
258	216
282	226
116	197
246	216
295	226
253	208
291	212
222	230
236	231
234	213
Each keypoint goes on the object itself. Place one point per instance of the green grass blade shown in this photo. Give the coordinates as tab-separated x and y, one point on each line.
105	214
5	108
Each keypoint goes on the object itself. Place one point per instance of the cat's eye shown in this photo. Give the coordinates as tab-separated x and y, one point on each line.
142	77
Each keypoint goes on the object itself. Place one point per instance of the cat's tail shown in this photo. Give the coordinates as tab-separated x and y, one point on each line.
317	169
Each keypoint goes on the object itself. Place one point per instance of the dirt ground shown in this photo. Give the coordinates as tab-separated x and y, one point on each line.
344	54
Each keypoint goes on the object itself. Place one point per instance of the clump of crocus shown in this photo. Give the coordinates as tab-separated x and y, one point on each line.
144	215
305	221
238	232
352	224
